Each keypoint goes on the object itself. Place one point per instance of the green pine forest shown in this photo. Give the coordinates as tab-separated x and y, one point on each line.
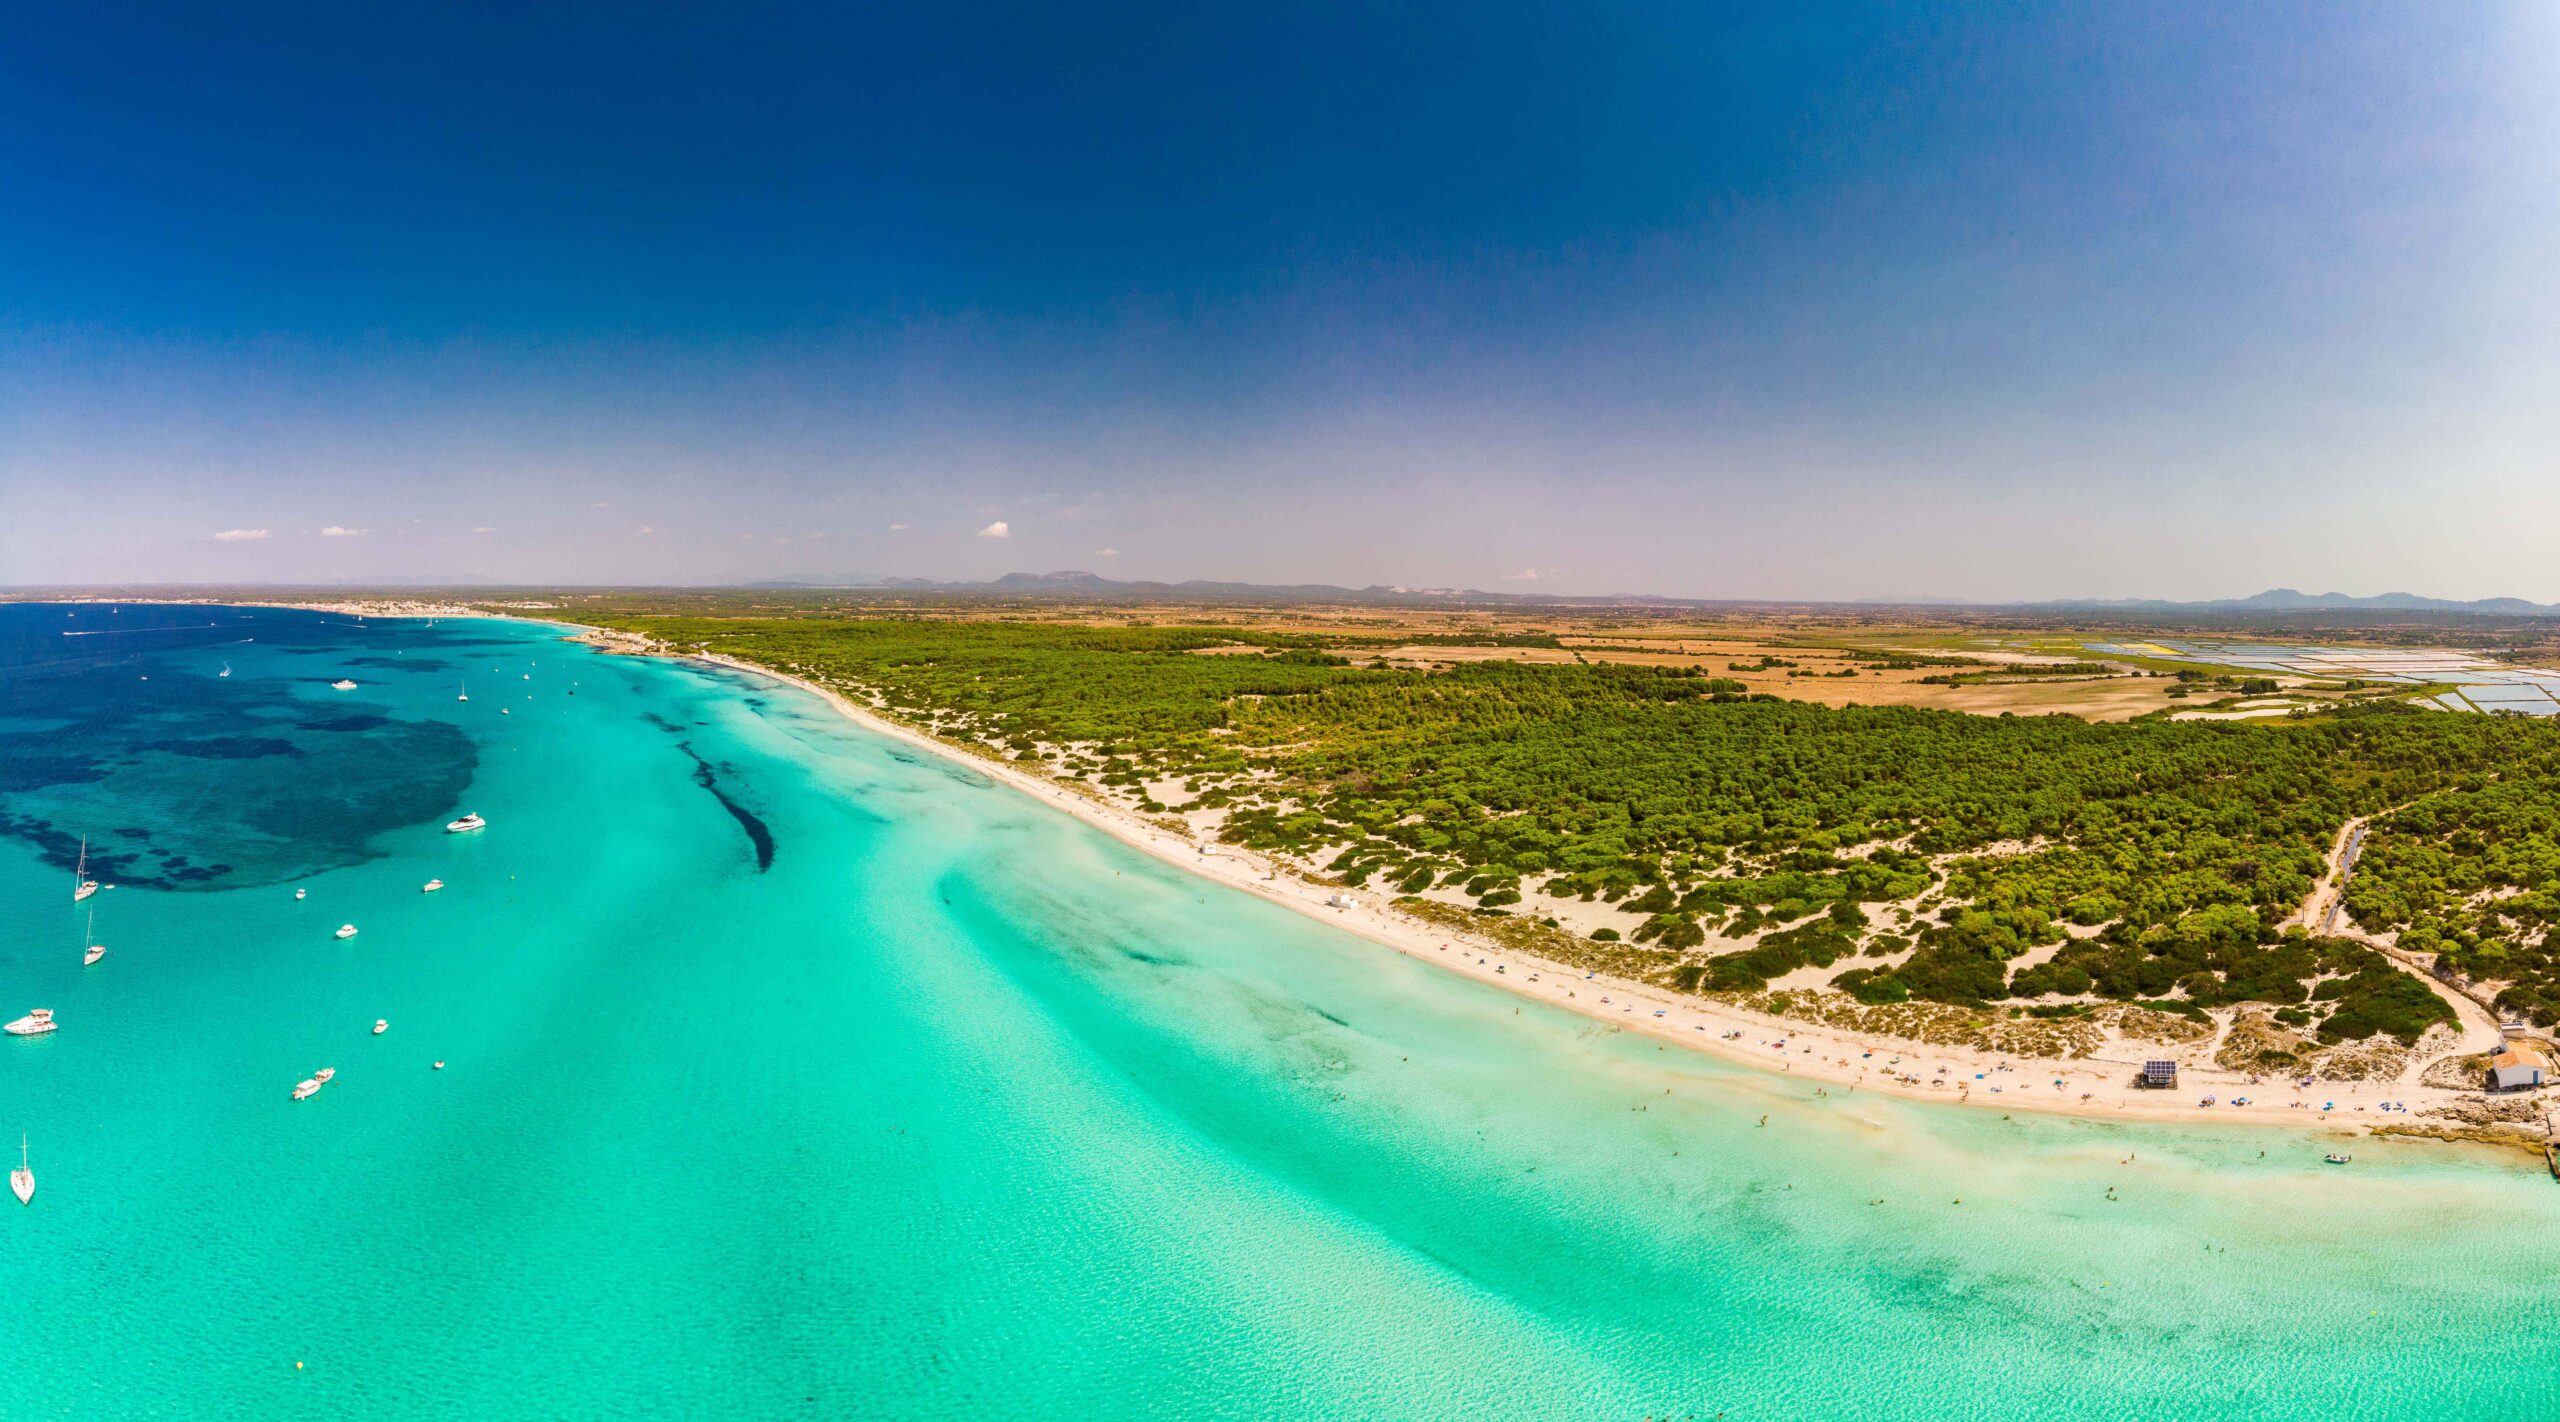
1933	856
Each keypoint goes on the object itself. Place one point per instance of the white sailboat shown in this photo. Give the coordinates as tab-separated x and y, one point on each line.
82	886
466	690
97	950
226	670
22	1181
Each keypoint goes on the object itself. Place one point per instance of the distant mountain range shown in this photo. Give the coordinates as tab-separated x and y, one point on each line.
2288	600
1093	587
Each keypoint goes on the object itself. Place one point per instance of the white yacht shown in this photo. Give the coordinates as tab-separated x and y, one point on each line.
82	886
346	930
298	893
431	886
36	1023
381	1025
342	684
323	1075
22	1181
306	1088
465	825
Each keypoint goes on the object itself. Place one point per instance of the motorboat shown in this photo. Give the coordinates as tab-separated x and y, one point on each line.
2337	1159
381	1025
36	1023
342	684
466	824
503	711
431	886
298	893
22	1181
324	1075
306	1088
346	930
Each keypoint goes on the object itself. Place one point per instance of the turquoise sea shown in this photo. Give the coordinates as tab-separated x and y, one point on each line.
792	1073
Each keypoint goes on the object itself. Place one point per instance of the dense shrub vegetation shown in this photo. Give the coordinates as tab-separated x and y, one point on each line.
1668	793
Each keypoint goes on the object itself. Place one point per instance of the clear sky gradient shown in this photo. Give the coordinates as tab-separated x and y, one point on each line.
1731	301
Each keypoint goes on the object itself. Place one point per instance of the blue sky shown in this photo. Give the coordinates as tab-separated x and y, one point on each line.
1743	301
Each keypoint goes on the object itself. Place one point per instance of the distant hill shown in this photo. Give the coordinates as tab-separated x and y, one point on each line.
2288	600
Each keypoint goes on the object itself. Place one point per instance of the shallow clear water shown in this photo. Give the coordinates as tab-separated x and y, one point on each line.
793	1073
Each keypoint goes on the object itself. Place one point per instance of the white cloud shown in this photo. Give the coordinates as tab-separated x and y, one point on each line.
484	529
1106	552
1528	575
897	528
997	529
334	531
646	530
239	535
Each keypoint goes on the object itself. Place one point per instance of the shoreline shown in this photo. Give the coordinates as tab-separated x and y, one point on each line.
1824	1056
2088	1088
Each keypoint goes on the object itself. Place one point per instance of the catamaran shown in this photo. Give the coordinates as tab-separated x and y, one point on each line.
36	1023
22	1181
82	886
